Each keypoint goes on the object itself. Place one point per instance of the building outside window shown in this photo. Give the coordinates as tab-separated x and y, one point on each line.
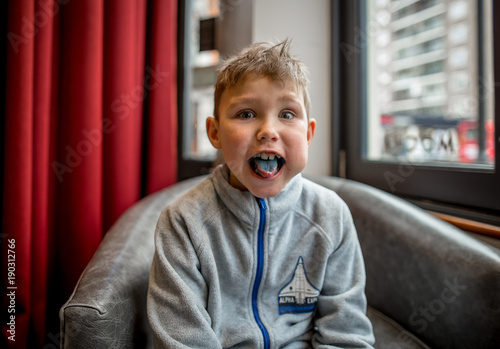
428	84
417	98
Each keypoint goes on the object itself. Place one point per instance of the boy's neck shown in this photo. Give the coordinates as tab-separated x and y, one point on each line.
234	182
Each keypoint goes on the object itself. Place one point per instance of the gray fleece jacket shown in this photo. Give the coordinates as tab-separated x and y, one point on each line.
234	271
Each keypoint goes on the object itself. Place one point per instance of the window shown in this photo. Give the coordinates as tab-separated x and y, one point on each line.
202	65
208	31
419	105
197	64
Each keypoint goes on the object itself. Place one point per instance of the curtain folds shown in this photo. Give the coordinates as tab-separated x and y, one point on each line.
90	128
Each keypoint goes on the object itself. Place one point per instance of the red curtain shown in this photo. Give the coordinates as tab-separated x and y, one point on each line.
90	128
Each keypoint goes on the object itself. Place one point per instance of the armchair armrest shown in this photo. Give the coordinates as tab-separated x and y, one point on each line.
432	278
108	306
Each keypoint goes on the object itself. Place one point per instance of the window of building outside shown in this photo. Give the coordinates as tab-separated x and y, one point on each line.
430	83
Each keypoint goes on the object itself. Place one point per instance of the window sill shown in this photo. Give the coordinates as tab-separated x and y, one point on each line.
470	225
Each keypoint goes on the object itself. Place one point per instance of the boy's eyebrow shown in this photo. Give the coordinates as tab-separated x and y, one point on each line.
250	99
241	100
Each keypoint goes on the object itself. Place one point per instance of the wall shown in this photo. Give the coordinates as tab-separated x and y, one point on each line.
308	24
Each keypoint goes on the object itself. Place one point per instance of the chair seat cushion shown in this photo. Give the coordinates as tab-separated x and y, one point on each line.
389	334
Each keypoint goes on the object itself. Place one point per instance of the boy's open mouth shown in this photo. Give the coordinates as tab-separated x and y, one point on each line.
266	165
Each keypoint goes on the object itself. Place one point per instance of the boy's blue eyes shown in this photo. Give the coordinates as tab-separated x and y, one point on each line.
247	114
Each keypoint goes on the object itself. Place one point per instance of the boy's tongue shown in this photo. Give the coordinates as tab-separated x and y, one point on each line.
266	168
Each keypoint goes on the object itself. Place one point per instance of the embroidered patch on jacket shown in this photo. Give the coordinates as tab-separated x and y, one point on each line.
299	295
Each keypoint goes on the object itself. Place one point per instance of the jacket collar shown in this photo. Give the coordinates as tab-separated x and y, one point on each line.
243	204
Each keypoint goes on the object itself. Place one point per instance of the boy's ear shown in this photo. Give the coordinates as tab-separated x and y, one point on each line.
213	132
311	128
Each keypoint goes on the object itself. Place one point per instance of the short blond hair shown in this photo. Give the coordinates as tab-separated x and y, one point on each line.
263	59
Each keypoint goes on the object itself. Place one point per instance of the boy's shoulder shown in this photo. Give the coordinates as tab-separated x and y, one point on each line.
202	195
314	194
322	205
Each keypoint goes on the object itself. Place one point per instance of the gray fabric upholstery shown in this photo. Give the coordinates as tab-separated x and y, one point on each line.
427	282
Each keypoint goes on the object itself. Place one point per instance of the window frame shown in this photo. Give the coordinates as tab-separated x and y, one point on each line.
464	192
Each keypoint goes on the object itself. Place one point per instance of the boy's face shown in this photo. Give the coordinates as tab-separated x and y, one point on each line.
264	134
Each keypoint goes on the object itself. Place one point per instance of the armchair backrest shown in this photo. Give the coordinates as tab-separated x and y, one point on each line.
423	274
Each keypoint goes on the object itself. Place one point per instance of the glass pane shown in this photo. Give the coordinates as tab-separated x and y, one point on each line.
201	80
430	82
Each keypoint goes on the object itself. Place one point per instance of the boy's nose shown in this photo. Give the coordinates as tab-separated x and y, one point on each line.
267	131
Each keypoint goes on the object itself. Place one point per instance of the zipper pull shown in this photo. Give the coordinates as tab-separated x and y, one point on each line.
262	203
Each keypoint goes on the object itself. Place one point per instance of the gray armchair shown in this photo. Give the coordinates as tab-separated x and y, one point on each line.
428	283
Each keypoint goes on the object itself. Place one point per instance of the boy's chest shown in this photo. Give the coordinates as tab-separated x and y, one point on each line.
287	262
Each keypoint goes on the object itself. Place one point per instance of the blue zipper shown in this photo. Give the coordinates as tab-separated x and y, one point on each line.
260	267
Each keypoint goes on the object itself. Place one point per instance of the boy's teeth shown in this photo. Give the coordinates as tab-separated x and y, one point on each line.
264	156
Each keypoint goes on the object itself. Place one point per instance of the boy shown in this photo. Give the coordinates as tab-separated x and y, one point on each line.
257	256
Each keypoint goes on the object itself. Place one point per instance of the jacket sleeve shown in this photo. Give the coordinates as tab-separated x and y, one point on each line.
177	293
341	320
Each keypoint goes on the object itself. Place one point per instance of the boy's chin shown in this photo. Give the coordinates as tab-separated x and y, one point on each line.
260	188
268	191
